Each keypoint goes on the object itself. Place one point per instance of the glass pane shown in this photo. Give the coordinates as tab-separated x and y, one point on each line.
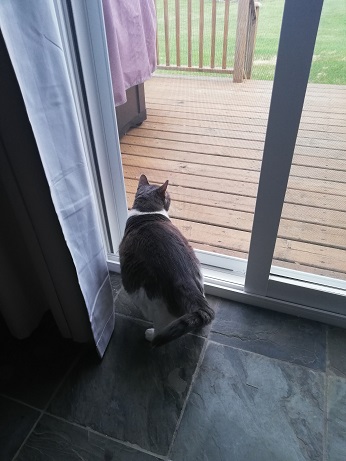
203	132
312	232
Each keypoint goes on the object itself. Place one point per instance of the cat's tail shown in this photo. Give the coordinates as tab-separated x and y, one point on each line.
200	317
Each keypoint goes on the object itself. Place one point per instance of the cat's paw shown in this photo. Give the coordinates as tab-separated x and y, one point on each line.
149	334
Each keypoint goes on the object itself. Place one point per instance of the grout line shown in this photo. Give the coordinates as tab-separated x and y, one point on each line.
63	379
268	357
135	319
13	399
28	435
325	421
125	315
117	293
326	387
197	335
105	436
199	363
328	370
43	411
326	424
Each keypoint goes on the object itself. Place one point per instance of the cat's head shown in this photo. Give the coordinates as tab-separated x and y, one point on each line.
150	197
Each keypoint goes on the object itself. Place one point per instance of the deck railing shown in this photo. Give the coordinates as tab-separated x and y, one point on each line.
245	37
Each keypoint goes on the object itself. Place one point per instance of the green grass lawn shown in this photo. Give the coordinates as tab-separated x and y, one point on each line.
329	62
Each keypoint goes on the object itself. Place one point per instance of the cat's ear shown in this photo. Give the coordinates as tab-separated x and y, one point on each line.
143	181
162	189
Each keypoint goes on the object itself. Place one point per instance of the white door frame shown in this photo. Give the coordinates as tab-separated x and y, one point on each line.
246	281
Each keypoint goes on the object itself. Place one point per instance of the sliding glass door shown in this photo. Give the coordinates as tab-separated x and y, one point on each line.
296	259
312	231
298	242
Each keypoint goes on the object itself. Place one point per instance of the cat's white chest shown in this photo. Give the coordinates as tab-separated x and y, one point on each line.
141	300
154	310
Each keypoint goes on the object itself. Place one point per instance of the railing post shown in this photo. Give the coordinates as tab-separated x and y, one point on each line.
225	35
241	37
213	34
245	37
189	33
166	19
177	30
157	38
251	38
201	32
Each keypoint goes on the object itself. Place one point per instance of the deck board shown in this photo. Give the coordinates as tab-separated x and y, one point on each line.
207	136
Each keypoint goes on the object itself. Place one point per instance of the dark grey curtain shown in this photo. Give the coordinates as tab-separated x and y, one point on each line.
37	271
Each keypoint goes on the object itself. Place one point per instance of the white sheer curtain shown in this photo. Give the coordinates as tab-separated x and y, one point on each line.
32	38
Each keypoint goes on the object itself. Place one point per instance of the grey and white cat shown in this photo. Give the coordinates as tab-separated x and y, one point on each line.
159	269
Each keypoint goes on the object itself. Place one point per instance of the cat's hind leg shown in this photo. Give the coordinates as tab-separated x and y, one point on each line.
158	311
142	303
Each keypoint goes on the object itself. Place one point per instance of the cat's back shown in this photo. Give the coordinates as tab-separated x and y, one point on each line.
153	233
154	246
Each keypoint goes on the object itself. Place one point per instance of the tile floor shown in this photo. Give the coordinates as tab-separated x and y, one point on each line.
255	386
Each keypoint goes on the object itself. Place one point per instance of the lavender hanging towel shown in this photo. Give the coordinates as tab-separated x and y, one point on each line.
131	38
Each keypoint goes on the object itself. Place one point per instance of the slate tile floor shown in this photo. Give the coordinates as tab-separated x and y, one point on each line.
255	386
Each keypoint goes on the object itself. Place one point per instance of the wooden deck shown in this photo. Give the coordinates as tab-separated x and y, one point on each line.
207	136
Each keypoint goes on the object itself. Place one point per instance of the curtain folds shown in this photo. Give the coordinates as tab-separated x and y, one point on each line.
31	34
